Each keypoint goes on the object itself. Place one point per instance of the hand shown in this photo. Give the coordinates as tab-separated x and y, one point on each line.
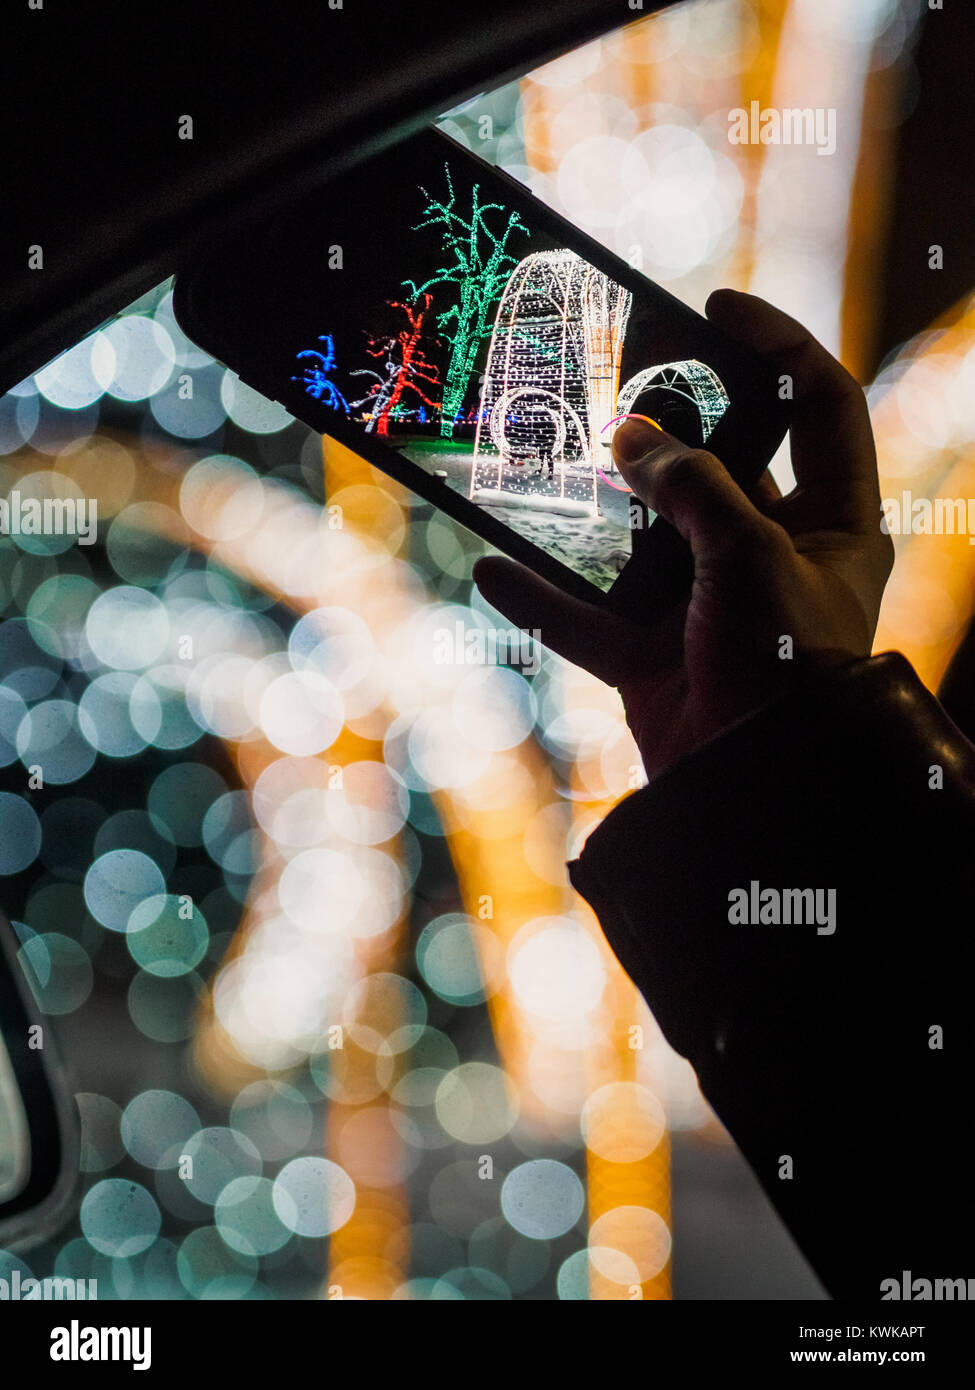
811	566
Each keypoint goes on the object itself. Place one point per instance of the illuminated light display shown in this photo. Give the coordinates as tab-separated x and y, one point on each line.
693	380
480	266
406	366
269	561
316	380
549	383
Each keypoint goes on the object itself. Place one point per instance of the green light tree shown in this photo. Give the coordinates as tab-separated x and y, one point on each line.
480	267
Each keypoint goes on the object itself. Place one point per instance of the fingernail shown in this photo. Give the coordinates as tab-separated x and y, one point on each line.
634	438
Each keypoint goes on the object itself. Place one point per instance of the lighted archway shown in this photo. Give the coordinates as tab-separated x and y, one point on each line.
694	380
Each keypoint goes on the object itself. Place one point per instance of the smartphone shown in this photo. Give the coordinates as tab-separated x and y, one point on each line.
429	312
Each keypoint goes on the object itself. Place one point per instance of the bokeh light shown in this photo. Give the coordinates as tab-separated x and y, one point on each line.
296	894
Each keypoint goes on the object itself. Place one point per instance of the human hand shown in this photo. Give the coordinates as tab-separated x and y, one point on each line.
810	566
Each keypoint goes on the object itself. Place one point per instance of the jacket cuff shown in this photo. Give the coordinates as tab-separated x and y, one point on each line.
809	1030
837	759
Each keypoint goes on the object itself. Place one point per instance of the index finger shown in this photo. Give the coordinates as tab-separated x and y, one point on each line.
831	438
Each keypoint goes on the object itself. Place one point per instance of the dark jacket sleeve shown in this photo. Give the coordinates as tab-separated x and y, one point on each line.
847	1052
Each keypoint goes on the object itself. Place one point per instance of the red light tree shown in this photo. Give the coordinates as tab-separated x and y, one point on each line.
407	366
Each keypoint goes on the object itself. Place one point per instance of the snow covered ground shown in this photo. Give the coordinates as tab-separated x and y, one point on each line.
594	547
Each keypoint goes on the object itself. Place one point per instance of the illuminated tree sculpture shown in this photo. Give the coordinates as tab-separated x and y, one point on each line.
315	377
479	267
407	365
550	382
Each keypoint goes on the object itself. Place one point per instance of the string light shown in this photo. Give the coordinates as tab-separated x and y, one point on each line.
550	380
693	380
406	365
480	280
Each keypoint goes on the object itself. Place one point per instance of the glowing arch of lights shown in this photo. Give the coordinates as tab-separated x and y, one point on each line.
693	380
558	334
557	411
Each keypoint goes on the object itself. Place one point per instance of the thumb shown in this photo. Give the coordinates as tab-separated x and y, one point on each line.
688	487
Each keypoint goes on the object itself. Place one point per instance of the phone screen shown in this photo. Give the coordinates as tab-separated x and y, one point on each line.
429	305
